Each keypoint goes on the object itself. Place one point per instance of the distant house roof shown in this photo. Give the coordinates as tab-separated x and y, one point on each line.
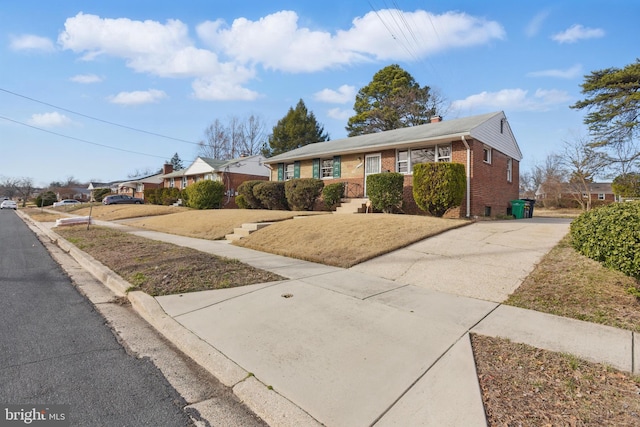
446	130
150	179
203	165
564	188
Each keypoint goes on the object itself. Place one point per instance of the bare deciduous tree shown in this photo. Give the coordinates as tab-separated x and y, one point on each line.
583	163
240	137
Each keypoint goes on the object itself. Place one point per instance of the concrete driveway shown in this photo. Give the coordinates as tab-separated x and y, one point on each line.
486	260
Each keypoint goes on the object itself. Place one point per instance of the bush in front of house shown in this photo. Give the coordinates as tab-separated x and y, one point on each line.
168	196
331	194
204	195
271	195
385	191
101	193
46	199
151	195
611	235
438	187
246	191
241	202
302	193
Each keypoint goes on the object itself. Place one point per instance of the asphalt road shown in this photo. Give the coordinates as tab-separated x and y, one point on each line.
57	349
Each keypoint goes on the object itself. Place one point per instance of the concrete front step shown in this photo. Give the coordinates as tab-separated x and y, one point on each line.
350	206
245	230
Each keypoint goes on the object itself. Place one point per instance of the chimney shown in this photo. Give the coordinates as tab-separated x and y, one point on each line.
436	119
167	168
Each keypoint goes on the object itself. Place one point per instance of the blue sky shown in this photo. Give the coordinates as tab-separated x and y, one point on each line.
172	68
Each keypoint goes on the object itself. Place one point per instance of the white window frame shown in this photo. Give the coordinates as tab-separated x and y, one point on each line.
509	170
289	171
601	196
326	172
410	157
406	162
184	182
139	187
172	182
486	154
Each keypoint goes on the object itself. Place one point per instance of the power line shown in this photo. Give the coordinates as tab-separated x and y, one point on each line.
96	119
80	139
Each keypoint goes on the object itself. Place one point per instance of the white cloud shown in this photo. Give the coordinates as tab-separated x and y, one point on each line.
48	120
536	22
277	42
513	99
339	113
577	32
86	78
138	97
343	95
31	42
570	73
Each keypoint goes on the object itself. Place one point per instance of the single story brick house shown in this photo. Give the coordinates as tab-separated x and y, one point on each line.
135	187
231	173
561	194
484	144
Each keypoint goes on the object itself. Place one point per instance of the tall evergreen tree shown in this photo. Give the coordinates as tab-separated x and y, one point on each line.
176	162
297	128
392	100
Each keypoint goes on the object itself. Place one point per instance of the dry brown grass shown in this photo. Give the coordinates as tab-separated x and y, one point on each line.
346	240
118	212
212	224
556	212
159	268
568	284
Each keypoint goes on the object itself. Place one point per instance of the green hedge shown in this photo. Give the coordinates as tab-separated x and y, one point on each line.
331	194
385	191
610	235
248	196
438	187
204	195
271	195
302	193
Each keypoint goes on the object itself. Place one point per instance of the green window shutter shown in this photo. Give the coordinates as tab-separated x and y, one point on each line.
296	169
316	168
280	171
336	166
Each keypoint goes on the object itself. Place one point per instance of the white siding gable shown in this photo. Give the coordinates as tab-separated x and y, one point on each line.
199	167
489	133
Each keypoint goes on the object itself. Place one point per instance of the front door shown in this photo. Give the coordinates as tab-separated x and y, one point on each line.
372	165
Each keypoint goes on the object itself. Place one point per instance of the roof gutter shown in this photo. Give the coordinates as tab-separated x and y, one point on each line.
466	145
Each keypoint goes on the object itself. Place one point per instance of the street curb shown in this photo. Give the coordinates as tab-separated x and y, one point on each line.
269	405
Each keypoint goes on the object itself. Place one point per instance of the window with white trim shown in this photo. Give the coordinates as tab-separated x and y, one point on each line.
184	182
486	155
509	170
139	187
326	168
289	171
172	182
403	161
444	153
601	196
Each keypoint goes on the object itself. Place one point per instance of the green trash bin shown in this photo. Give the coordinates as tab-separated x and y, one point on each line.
517	208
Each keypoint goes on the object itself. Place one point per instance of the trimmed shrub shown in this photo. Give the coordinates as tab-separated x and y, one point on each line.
241	202
611	235
385	191
438	187
302	193
331	194
151	195
168	196
204	195
246	191
101	193
271	195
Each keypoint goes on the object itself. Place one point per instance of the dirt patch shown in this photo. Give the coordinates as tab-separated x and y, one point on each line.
346	240
526	386
159	268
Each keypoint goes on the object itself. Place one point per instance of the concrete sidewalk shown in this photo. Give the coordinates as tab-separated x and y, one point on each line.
383	343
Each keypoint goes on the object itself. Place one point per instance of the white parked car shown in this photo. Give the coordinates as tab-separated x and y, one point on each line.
66	202
8	204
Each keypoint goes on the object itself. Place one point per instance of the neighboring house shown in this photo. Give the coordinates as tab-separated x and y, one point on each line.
136	186
231	173
112	186
567	195
78	193
484	144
